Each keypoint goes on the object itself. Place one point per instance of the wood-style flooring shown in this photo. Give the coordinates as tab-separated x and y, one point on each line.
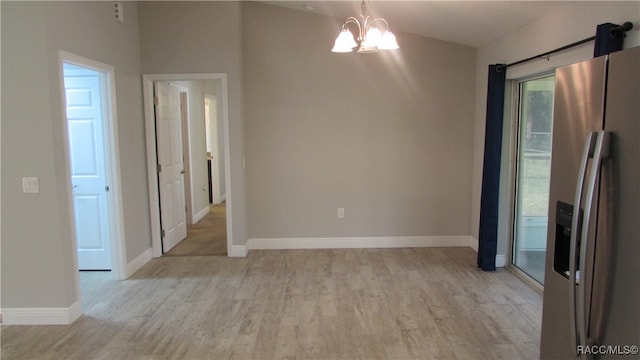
425	303
206	237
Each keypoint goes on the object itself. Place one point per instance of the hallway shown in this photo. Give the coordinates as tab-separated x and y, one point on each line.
208	237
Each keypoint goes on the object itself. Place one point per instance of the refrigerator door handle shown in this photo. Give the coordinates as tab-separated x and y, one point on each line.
601	151
576	227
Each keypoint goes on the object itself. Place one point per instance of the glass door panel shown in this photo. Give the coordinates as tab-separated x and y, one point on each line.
532	176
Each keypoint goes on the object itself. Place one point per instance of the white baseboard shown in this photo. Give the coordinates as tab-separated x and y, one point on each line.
501	260
360	242
237	251
138	262
75	311
41	316
473	243
200	214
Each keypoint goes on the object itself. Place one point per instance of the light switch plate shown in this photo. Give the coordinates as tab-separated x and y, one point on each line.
118	11
30	185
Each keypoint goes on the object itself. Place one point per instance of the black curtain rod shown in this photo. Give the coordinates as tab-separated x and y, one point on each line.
543	55
623	28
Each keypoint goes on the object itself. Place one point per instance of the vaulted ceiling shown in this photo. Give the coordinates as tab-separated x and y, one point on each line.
472	23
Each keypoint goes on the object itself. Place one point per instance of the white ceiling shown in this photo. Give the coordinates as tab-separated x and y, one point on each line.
472	23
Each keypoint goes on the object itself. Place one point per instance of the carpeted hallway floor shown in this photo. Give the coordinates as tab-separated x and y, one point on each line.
207	237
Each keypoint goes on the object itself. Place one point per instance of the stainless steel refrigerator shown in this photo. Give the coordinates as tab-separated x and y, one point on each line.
591	305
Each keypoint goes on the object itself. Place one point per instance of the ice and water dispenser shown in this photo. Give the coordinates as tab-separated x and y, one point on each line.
564	217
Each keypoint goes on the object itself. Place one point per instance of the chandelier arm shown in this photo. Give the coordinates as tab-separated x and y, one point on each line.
366	24
386	24
352	20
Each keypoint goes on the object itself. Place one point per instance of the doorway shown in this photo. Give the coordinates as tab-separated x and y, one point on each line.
88	103
199	85
533	170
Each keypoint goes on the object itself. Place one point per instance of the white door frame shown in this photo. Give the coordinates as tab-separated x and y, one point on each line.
114	196
152	160
215	151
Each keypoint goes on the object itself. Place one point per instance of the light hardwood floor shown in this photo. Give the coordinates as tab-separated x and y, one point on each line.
427	303
207	237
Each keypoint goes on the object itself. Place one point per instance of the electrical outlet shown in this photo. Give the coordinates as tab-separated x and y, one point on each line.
30	185
340	213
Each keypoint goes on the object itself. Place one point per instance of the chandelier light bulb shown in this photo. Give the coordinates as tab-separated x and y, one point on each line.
372	37
344	42
388	41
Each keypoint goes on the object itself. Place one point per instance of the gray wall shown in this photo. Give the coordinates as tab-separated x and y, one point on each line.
37	256
202	37
386	136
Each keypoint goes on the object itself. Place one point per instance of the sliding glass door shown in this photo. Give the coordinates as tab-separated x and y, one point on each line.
533	165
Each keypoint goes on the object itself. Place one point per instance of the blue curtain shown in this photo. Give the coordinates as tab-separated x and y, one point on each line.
607	41
488	235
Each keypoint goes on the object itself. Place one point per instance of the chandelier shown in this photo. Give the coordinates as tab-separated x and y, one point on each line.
370	37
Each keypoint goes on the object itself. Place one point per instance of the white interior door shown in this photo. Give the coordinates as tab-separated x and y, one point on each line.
85	105
211	128
171	165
